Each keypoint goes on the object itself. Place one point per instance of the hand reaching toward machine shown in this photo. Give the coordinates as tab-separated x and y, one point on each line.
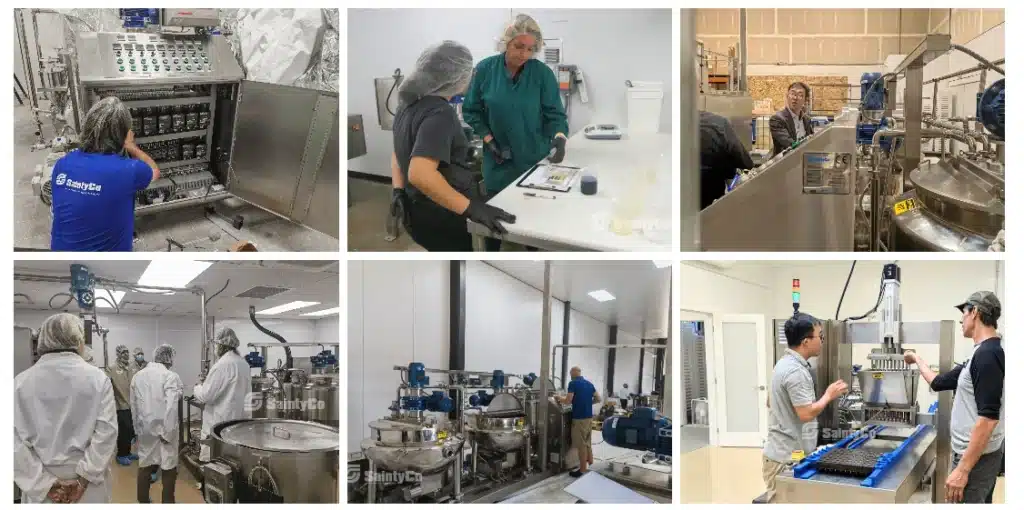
911	358
836	389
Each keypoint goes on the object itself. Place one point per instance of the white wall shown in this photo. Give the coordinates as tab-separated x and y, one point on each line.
601	42
397	314
183	333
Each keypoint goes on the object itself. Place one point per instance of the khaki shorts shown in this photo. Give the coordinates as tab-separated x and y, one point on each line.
581	430
769	470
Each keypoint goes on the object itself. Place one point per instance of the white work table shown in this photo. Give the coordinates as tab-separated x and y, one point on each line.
636	169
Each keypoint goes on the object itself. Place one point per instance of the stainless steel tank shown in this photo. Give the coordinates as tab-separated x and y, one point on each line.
320	395
301	457
497	433
262	391
418	446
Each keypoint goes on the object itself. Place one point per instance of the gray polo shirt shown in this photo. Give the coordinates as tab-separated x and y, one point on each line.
792	386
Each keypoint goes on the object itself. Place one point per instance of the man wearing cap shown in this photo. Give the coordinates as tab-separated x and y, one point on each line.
976	426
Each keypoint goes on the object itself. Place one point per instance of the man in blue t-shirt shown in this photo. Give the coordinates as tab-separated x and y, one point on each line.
583	396
94	187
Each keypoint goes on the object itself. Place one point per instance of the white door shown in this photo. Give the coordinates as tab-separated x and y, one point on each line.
739	380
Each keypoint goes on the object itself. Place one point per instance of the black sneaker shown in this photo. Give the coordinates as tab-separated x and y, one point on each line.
576	473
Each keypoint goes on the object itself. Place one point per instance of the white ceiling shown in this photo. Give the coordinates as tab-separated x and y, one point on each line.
305	280
639	288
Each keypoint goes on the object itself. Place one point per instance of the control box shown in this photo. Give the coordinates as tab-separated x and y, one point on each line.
159	55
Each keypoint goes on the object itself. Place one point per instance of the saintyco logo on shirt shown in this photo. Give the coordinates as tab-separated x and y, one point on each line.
62	180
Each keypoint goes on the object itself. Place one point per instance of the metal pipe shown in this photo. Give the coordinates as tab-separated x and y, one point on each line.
689	150
19	25
978	57
457	472
39	51
371	489
966	132
743	50
962	72
546	366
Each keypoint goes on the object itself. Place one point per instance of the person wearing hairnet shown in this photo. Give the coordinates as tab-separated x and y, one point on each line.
430	172
121	379
226	389
65	421
514	104
155	394
140	358
94	186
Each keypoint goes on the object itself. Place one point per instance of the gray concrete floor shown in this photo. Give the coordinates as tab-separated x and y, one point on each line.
190	227
369	203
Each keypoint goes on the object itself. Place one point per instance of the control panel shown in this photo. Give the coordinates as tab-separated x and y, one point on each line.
157	55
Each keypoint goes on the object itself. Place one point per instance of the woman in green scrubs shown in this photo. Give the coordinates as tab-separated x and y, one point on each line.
513	103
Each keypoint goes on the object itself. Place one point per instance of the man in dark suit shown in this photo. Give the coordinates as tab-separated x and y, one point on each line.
792	122
721	154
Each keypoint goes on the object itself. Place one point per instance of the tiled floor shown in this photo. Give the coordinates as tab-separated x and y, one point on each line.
715	474
124	479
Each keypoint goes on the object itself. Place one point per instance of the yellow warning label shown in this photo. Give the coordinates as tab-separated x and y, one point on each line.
904	206
798	455
878	375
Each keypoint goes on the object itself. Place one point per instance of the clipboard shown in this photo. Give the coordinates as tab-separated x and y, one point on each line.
574	173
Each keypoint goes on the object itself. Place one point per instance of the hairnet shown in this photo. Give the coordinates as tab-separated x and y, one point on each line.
442	70
227	338
164	354
523	25
138	350
106	127
61	331
119	349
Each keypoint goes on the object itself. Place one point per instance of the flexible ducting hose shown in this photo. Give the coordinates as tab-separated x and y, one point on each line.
275	336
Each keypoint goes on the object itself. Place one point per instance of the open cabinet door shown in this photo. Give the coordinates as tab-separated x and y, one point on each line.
740	381
285	155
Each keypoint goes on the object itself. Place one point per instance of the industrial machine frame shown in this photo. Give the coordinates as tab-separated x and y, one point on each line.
214	134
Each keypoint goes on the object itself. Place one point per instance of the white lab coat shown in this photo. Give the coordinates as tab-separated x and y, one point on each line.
155	393
65	426
226	393
623	393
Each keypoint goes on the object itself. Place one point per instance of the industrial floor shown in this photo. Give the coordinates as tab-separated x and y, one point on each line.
124	480
716	474
369	203
552	490
189	227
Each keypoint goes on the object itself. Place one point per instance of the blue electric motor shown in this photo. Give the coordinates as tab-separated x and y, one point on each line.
992	108
498	379
872	92
481	399
324	359
436	402
83	286
418	375
530	379
641	430
255	360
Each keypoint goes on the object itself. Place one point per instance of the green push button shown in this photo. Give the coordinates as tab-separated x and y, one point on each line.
121	69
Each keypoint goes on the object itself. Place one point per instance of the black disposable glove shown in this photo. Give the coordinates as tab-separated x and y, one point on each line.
488	216
500	155
400	207
557	150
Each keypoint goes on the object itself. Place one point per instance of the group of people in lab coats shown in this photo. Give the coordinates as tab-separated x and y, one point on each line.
70	417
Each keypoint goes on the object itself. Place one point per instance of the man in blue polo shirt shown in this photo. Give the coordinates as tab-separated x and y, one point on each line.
583	396
94	187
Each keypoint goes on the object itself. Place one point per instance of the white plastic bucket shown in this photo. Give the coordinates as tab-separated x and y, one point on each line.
643	106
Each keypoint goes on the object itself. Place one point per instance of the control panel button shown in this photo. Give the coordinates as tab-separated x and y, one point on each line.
175	61
178	68
144	68
133	68
199	67
121	69
165	60
120	61
195	61
167	68
188	68
206	60
131	61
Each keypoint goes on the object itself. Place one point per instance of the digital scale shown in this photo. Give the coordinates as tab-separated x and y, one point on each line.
602	132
